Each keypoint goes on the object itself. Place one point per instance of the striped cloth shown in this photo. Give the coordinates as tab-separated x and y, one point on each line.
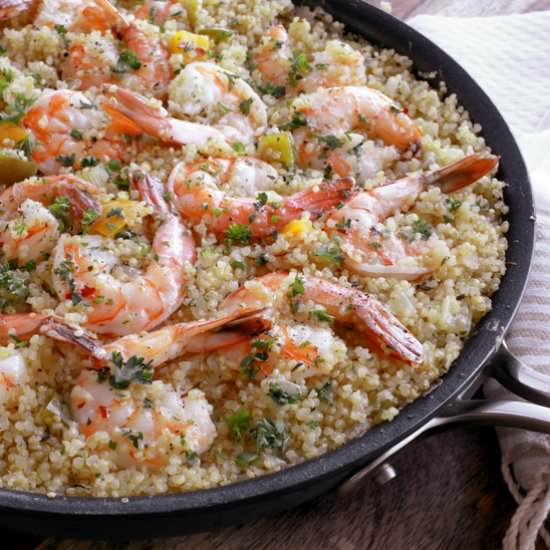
508	56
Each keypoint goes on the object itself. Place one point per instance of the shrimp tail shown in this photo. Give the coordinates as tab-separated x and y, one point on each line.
326	196
387	333
463	172
62	332
150	190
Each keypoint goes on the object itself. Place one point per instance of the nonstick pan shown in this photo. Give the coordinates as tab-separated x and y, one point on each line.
484	354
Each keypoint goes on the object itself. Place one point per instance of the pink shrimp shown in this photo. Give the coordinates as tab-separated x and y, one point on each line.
199	199
375	252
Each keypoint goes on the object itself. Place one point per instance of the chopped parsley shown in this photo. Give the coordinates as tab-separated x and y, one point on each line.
224	109
270	434
237	233
322	315
299	67
88	162
243	460
453	204
297	287
127	60
272	90
61	29
113	165
13	287
261	200
248	366
134	369
18	109
236	264
298	120
244	106
329	254
191	457
421	228
60	208
76	134
325	392
134	437
262	260
239	423
239	148
280	396
331	141
89	217
66	160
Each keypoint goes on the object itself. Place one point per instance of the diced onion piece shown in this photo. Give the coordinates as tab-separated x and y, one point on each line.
277	147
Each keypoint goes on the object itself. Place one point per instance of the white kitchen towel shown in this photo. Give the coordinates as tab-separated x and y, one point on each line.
509	56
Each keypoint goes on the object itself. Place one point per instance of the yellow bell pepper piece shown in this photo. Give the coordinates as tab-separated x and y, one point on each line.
277	148
296	228
115	216
12	132
192	46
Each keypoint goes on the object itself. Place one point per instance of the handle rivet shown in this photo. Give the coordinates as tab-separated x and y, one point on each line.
384	473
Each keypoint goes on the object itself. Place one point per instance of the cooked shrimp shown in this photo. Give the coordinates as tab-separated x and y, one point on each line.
382	331
83	267
12	8
28	230
98	404
155	121
226	101
142	64
373	251
141	429
20	325
337	65
12	374
272	57
197	195
68	127
334	111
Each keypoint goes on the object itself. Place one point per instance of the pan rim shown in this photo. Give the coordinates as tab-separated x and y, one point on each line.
477	349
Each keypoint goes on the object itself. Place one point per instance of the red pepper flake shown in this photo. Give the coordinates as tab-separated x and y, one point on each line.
103	411
87	291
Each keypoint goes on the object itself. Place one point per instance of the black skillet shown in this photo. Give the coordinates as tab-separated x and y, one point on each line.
174	514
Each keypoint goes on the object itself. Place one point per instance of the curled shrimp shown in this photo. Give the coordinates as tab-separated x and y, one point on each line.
68	127
155	121
83	268
334	111
337	65
28	230
148	71
198	198
381	330
373	251
225	101
141	416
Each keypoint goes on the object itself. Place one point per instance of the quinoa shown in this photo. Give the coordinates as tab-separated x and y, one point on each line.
300	413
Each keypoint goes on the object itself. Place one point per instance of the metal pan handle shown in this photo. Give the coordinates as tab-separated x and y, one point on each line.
507	369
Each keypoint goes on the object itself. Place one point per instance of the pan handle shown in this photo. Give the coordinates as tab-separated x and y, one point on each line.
532	415
527	383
